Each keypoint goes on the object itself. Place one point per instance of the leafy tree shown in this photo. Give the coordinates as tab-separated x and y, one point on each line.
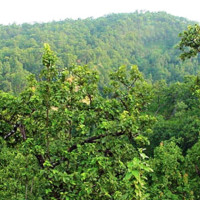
193	166
190	41
176	108
169	181
77	143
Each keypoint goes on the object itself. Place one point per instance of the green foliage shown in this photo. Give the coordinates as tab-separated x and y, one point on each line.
142	39
169	180
136	175
18	175
190	42
193	166
177	110
75	143
66	136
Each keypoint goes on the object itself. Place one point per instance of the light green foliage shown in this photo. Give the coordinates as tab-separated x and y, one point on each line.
18	171
136	174
77	143
169	180
193	169
190	42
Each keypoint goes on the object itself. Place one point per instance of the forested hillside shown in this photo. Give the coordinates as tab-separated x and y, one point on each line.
83	122
145	39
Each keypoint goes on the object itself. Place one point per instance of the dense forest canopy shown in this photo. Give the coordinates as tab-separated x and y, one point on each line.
143	39
112	114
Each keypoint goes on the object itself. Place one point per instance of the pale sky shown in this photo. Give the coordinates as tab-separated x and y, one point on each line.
29	11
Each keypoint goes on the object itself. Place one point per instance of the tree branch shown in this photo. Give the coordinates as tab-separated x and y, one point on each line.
12	132
23	132
88	140
40	160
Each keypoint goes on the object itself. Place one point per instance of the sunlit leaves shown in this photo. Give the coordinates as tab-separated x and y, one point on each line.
190	42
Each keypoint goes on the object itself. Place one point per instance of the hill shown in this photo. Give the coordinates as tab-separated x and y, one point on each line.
145	39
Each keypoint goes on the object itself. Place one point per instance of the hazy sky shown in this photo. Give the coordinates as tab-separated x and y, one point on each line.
20	11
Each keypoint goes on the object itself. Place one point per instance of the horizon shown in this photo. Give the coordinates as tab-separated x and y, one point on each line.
37	11
139	11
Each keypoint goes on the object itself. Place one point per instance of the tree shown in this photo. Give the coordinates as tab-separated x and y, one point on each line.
78	143
190	42
169	180
193	168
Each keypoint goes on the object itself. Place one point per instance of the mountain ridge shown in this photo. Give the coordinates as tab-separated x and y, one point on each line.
145	39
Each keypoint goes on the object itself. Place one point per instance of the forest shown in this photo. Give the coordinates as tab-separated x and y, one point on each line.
100	109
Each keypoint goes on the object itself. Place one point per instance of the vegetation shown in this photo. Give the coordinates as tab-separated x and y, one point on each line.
143	39
70	135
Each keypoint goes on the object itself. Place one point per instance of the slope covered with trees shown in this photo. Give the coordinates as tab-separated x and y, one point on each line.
144	39
64	137
61	138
